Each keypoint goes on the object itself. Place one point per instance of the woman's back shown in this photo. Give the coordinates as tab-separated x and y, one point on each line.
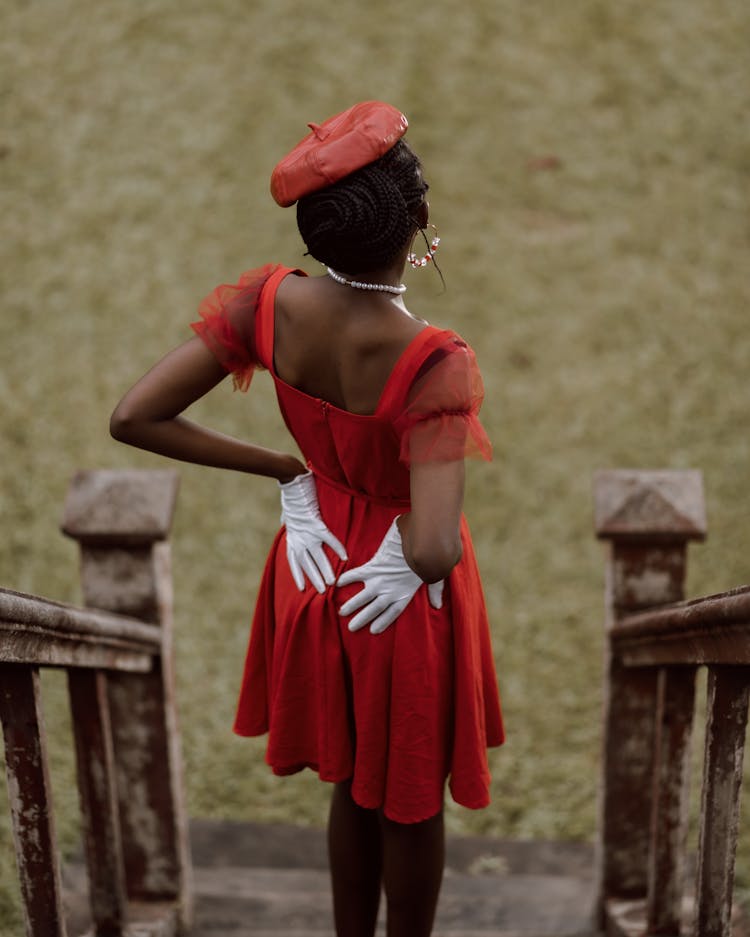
337	345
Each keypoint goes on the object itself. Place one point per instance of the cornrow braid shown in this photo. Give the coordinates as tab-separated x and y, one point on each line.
361	222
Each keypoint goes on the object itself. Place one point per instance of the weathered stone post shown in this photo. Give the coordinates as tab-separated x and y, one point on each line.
121	520
648	517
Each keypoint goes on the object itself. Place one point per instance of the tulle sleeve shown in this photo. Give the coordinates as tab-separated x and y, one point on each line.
440	422
227	323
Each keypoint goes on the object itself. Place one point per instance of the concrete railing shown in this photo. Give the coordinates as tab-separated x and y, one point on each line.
654	648
118	657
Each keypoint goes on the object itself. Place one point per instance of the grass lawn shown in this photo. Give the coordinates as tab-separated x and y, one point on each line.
588	165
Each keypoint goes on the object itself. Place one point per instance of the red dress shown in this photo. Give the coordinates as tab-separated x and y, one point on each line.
399	712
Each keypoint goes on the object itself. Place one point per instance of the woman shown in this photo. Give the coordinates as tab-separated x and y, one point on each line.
385	689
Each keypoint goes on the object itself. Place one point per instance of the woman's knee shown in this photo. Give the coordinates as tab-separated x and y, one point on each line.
413	853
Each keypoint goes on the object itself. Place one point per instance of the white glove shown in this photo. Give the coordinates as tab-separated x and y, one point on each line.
390	584
306	533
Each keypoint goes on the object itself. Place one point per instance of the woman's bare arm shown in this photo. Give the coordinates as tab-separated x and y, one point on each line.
148	416
431	534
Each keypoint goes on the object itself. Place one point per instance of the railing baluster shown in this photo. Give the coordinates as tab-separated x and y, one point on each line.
674	721
31	800
628	770
98	794
728	689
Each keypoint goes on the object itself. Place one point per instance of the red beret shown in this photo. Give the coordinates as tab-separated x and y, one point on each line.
337	147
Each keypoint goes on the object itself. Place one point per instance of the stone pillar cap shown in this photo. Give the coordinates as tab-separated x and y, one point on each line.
120	506
659	505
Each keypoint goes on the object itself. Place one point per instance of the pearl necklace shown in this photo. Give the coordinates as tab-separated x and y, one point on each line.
355	284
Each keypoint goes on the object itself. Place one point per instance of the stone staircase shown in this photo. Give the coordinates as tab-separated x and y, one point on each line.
257	880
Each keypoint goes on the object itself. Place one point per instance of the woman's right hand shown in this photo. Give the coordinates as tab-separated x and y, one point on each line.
389	585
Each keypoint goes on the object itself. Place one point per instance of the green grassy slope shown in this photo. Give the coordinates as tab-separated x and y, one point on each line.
606	298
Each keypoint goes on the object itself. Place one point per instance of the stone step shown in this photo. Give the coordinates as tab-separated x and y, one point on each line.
261	845
272	881
248	901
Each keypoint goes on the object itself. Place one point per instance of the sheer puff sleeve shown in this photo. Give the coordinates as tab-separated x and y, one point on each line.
440	422
227	323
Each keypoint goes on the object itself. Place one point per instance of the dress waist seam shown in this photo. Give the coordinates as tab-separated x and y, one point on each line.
363	495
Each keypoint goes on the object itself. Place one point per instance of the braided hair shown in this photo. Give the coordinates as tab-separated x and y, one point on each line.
362	222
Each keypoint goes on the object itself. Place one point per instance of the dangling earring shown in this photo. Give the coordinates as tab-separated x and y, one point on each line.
432	247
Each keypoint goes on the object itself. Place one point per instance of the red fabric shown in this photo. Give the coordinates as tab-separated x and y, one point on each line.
337	147
227	323
441	420
398	713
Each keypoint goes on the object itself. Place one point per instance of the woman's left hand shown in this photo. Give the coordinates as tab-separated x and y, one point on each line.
306	533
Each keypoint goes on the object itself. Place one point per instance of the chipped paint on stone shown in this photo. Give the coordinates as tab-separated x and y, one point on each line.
643	576
669	816
728	691
651	583
30	800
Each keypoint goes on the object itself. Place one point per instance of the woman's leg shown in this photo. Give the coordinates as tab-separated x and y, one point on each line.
355	856
413	860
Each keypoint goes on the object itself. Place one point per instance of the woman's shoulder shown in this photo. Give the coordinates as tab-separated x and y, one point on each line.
292	281
438	344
